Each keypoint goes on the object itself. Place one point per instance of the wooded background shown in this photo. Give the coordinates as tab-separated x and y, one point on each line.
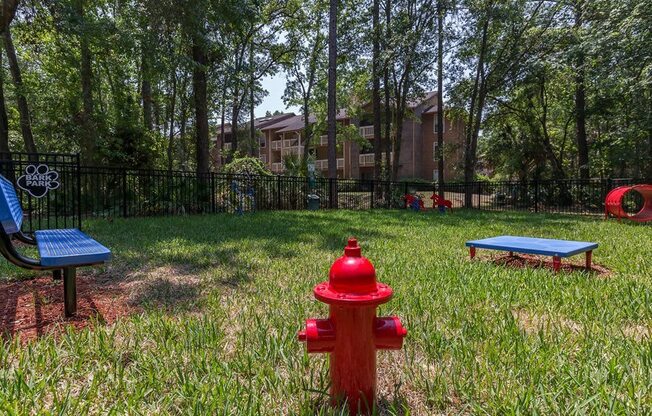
547	89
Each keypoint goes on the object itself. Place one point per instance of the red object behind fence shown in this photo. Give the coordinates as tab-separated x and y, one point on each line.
613	203
438	201
352	333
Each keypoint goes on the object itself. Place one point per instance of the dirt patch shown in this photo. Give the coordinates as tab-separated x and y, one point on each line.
637	332
32	308
532	322
522	261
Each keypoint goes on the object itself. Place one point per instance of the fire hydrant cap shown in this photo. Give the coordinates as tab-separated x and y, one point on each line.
352	280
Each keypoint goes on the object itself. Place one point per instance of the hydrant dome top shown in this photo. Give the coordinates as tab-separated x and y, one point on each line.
352	279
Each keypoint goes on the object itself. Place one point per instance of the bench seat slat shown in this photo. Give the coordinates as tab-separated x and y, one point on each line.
69	247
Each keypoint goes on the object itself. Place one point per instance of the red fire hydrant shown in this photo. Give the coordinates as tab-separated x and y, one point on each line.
352	333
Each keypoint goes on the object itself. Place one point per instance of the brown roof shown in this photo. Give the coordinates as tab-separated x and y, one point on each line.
297	123
417	102
431	110
262	122
259	123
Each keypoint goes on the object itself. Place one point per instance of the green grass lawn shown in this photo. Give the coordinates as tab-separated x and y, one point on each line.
224	296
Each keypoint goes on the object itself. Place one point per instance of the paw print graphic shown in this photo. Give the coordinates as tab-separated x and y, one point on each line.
38	180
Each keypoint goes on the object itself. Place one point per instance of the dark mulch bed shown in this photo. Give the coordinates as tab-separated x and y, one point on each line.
530	261
32	308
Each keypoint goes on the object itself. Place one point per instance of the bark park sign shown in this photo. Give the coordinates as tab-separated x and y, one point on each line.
38	180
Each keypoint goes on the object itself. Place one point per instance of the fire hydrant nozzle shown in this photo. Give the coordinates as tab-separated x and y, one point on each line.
352	333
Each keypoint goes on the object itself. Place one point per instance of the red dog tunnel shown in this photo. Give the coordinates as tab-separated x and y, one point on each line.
613	203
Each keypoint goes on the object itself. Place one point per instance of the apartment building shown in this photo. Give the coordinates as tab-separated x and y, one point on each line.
283	135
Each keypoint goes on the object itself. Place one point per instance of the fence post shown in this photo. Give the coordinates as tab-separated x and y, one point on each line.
124	193
330	193
213	192
278	192
536	195
79	193
479	188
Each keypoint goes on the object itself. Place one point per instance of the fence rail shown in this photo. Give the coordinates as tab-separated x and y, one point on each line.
87	192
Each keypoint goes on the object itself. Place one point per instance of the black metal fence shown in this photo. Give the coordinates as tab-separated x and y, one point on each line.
125	193
87	192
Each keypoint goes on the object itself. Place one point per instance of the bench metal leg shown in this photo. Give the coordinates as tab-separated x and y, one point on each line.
556	263
472	252
589	257
56	274
70	291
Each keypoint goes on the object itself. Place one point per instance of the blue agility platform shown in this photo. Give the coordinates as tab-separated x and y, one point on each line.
540	246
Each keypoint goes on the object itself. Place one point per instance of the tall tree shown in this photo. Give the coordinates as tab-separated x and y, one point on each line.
376	74
4	122
440	97
304	66
88	129
332	88
199	82
580	95
23	107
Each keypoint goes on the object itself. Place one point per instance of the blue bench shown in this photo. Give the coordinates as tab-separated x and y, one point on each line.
59	250
541	246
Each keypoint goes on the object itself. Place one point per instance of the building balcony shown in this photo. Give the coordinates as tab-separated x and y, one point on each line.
277	167
368	159
322	164
277	144
290	143
367	132
294	150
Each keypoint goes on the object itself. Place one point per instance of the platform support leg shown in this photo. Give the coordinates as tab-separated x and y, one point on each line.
556	263
589	259
70	291
56	274
472	252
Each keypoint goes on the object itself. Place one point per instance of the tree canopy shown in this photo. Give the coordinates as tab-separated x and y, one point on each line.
546	89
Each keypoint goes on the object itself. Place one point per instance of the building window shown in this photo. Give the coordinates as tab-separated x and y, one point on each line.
263	143
435	156
435	174
435	125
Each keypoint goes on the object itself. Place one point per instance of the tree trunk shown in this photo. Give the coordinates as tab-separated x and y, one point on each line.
332	88
580	104
471	128
173	101
201	105
252	130
88	130
440	97
146	90
235	116
307	132
223	120
4	122
388	108
23	108
8	12
376	90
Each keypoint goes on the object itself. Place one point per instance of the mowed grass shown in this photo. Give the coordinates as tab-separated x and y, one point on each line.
224	296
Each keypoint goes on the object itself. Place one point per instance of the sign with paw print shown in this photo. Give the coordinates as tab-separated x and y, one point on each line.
38	180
